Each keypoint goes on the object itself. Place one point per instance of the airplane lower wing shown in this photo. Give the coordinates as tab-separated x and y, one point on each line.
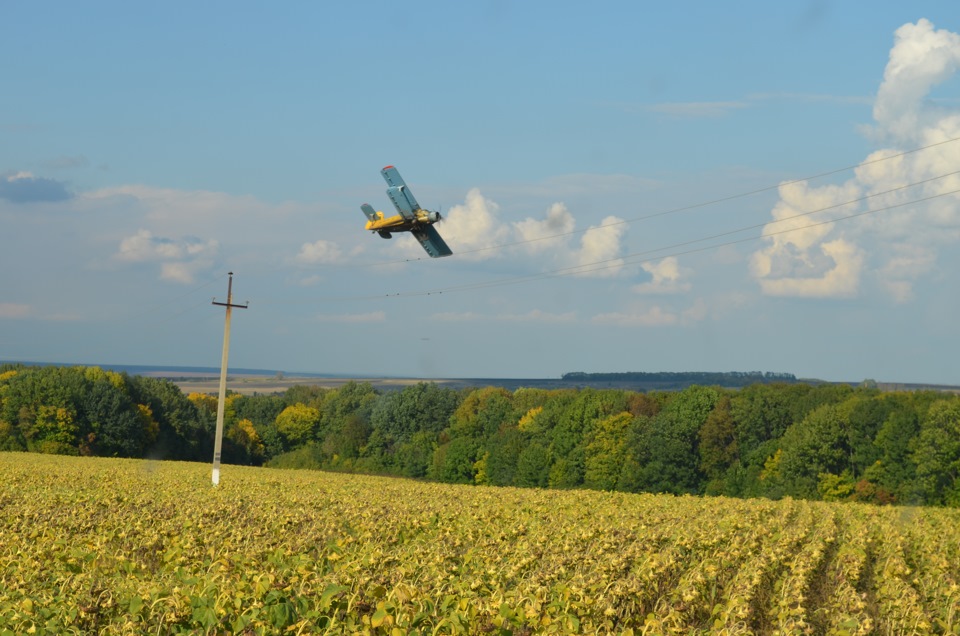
430	240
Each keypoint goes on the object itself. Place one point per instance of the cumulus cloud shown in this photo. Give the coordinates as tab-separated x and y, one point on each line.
144	246
321	251
475	228
473	225
667	277
600	247
23	187
893	244
832	270
180	259
920	59
547	233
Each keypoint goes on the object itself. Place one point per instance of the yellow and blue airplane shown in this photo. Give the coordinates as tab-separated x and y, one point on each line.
411	218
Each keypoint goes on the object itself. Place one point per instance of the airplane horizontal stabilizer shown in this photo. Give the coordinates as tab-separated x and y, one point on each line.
369	211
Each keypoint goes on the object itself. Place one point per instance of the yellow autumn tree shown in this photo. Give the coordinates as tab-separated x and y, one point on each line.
298	423
606	452
243	434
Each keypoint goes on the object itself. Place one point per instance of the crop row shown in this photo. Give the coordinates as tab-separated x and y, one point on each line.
131	546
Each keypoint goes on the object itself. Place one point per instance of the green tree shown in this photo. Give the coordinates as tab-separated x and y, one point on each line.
348	440
455	461
420	407
306	394
762	412
816	445
666	447
936	454
533	466
503	456
116	423
481	414
343	407
866	411
718	441
182	433
414	454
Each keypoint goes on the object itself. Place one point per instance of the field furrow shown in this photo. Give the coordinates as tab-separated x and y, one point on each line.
125	547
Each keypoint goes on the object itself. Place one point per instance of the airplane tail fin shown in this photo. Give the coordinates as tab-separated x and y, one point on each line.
369	211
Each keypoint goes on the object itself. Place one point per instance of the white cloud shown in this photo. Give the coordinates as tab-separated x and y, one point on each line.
471	226
601	245
667	278
921	58
456	316
14	310
474	229
697	312
534	316
831	271
24	187
373	316
907	263
829	260
184	273
548	233
180	259
144	246
653	317
321	251
539	317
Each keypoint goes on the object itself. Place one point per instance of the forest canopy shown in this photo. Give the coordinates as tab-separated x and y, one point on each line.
813	441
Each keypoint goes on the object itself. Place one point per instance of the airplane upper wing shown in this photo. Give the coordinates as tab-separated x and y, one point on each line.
430	240
402	198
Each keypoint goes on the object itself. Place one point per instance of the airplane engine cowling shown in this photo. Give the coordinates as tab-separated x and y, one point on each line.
433	217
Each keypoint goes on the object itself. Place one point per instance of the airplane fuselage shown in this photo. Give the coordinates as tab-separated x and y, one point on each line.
398	223
411	218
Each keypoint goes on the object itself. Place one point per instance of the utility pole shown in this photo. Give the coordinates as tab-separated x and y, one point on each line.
218	441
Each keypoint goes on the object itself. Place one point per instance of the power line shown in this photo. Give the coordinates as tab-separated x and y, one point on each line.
632	258
676	210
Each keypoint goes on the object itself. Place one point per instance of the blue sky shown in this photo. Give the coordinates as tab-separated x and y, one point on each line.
605	173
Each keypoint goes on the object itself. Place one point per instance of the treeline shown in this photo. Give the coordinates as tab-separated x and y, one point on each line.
680	379
832	442
90	411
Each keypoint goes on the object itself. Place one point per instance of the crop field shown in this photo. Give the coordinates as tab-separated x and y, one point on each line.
132	546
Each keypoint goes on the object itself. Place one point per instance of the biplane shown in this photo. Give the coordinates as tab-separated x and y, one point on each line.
411	218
